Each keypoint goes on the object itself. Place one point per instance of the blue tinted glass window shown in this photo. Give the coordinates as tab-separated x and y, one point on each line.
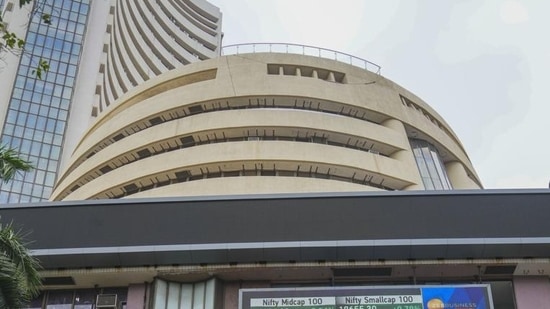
33	123
431	167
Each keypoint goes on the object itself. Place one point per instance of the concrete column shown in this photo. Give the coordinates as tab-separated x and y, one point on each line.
405	155
298	72
458	176
231	295
532	292
136	296
281	70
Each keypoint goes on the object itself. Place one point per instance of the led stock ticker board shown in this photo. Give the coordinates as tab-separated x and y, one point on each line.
382	297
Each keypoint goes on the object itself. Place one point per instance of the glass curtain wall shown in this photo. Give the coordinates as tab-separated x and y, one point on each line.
430	165
39	108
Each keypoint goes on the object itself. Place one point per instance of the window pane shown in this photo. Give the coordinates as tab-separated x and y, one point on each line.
430	166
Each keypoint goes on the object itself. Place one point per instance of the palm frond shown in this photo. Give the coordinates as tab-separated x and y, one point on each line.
11	163
13	248
12	292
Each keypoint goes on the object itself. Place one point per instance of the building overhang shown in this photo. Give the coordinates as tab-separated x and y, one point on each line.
331	227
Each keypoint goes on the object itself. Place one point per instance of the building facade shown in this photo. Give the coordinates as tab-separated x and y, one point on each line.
34	112
265	123
199	252
184	177
96	50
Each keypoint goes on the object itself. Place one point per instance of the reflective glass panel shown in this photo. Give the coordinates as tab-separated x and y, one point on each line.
30	114
431	167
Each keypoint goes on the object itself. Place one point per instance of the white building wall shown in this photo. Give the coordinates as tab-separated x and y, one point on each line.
83	97
235	125
17	20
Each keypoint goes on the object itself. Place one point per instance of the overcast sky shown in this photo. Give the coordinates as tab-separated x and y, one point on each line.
483	65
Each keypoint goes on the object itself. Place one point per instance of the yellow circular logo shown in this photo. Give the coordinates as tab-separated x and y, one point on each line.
436	303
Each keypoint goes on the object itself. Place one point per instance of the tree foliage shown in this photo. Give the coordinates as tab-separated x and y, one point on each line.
10	42
11	163
19	277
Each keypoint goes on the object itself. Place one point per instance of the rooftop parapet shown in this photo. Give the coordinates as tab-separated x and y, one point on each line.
288	48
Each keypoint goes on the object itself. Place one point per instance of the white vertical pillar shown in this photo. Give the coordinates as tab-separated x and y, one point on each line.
406	155
161	288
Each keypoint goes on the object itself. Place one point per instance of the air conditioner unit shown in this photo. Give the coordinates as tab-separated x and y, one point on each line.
106	301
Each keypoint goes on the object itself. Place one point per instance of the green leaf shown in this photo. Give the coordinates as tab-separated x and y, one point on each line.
43	66
24	2
47	19
10	38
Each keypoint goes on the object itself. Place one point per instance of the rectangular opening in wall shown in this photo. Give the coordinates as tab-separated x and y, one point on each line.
307	71
339	77
156	120
195	109
322	176
500	270
187	141
287	173
105	169
118	137
231	174
319	140
268	173
131	188
273	69
196	177
322	74
58	281
182	175
362	272
250	173
214	175
289	69
144	153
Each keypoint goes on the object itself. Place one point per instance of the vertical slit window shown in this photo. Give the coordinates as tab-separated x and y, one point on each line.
431	167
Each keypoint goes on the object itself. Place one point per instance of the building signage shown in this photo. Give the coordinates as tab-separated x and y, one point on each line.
380	297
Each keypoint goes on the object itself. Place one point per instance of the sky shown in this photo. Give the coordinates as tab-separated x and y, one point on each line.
483	65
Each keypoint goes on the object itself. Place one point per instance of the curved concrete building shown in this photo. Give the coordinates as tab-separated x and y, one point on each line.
97	50
148	38
265	123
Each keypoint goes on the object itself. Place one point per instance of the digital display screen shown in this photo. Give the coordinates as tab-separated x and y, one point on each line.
381	297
